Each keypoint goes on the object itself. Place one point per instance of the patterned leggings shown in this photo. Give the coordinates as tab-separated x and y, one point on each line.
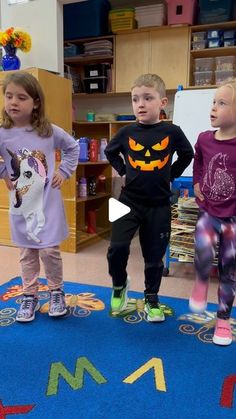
210	232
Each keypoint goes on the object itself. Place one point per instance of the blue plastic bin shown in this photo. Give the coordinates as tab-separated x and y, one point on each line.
182	184
215	11
85	19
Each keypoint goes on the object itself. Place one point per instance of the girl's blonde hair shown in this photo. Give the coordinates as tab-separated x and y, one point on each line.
232	85
32	87
151	80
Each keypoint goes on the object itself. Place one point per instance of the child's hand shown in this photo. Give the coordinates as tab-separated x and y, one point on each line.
8	183
57	179
197	192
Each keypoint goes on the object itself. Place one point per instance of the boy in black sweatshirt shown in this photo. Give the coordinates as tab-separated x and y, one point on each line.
142	152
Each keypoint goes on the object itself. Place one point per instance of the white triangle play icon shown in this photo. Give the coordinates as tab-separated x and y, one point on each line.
116	209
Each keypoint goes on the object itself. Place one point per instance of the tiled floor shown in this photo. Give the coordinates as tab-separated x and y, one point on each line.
89	266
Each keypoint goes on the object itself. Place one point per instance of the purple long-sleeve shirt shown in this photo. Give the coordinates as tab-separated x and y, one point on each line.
214	168
37	216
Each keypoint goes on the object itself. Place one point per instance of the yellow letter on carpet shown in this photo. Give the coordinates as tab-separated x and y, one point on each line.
156	364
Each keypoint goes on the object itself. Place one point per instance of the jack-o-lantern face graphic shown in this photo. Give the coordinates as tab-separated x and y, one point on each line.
148	163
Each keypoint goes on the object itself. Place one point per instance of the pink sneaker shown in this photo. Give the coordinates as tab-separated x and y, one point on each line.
222	334
198	299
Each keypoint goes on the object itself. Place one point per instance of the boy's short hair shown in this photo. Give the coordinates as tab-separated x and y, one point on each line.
151	80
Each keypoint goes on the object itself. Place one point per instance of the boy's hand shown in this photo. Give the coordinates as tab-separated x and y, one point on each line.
57	179
9	184
197	192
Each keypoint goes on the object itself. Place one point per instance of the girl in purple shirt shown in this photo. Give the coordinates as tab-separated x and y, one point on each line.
38	225
214	178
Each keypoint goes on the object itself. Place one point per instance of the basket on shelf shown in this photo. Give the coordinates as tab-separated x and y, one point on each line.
122	19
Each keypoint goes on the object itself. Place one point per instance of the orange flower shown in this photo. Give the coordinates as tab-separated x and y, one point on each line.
16	38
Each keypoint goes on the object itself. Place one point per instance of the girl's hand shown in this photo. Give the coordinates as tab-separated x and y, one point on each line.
57	179
197	192
8	183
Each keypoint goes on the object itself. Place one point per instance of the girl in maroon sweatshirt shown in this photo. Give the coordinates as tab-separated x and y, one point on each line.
214	178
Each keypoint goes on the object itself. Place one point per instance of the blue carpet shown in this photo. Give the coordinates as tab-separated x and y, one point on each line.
90	365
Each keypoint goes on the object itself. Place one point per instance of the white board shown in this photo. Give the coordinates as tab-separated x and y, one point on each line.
192	113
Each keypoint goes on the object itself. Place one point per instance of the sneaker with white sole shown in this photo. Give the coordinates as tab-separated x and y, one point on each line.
198	299
57	305
222	334
119	297
153	309
28	307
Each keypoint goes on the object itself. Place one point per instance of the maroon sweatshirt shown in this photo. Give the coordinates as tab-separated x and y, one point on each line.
214	168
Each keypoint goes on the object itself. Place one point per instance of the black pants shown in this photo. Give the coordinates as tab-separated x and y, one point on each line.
154	233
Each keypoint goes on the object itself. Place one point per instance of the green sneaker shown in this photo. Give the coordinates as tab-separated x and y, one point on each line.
153	308
119	298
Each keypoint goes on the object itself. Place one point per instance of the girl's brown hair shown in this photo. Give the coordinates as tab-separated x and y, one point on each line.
30	84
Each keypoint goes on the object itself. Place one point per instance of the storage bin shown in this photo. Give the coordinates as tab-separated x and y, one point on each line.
229	42
229	34
212	11
95	84
212	34
85	19
181	11
214	43
121	19
199	44
204	64
96	70
226	63
72	50
203	78
223	75
199	36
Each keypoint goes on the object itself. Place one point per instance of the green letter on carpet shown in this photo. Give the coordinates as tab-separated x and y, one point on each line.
75	381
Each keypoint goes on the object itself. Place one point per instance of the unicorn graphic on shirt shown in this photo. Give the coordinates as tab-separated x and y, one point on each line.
29	178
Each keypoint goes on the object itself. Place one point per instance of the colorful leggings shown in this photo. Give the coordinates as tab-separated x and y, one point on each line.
210	232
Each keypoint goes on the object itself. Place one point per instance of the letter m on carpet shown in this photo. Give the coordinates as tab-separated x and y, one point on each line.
75	381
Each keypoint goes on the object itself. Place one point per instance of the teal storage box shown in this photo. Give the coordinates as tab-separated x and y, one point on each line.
215	11
85	19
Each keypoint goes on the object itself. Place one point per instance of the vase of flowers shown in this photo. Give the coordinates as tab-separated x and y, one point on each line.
12	39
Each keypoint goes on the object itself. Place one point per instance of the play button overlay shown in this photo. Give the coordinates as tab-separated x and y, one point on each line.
116	209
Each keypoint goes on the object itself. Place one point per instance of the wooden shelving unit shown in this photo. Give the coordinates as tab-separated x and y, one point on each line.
176	67
78	62
98	202
209	52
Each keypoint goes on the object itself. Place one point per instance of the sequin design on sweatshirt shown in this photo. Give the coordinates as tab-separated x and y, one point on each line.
218	183
29	178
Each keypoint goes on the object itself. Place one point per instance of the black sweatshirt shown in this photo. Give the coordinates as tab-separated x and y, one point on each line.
147	152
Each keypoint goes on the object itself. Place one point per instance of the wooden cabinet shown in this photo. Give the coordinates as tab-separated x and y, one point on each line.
132	58
164	51
209	52
169	55
58	96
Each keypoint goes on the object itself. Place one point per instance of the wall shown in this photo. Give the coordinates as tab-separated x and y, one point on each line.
43	20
